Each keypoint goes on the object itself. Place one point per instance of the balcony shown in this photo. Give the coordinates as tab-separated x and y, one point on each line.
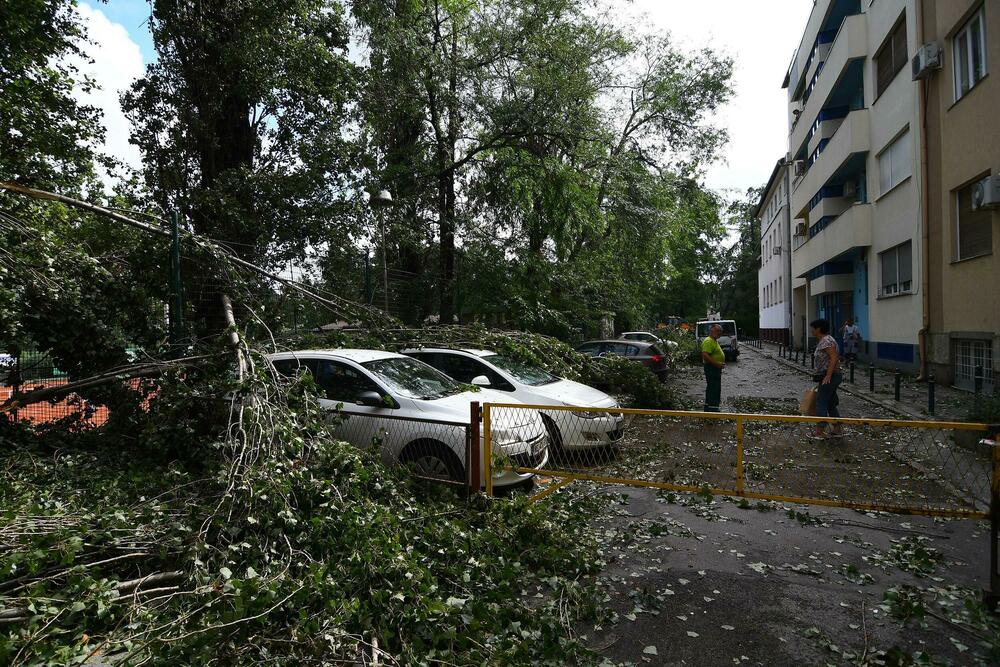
850	44
837	282
851	230
852	138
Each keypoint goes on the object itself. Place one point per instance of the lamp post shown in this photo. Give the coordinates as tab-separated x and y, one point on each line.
380	202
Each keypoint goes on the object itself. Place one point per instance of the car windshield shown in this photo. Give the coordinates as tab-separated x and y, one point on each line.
522	372
728	328
413	379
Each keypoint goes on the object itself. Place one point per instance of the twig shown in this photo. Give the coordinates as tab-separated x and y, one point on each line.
864	628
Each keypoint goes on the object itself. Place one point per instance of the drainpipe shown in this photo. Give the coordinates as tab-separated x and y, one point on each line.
925	251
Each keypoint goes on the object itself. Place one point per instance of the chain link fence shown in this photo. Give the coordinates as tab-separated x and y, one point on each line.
32	370
932	468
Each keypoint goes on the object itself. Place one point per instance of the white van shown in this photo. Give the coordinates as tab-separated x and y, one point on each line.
727	341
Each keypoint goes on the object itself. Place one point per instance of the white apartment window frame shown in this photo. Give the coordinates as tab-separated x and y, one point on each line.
967	353
899	286
890	153
960	49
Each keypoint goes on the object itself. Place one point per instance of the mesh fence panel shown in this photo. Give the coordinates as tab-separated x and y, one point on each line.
435	450
924	467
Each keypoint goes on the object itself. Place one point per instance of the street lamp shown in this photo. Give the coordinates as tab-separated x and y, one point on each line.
380	202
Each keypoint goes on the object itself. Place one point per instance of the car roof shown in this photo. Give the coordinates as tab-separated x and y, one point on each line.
648	333
355	355
467	350
616	340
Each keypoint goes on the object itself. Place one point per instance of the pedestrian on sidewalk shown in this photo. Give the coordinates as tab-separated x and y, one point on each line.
827	374
714	360
852	339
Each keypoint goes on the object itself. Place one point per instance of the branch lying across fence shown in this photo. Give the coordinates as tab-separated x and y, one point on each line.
20	400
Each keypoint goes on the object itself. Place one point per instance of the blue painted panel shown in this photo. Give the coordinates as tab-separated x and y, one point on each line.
901	352
860	302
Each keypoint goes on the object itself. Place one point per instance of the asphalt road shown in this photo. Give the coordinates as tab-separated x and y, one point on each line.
696	581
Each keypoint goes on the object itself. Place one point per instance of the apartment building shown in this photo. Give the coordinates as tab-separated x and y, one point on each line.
774	282
854	183
962	120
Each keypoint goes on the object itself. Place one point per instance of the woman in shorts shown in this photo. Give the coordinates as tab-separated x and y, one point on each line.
827	374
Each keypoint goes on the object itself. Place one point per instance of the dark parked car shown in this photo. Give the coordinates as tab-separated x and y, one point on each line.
648	354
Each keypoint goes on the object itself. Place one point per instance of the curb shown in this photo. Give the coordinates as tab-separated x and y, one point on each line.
891	406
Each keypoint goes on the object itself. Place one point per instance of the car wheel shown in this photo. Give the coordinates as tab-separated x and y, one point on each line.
431	458
555	437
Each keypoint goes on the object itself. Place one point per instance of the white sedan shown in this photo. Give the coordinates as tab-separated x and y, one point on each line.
414	413
520	382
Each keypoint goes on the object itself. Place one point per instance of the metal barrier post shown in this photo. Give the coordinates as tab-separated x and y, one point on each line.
739	455
871	378
992	596
487	450
930	394
474	454
852	371
897	377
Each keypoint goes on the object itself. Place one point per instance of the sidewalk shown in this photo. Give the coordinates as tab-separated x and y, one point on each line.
950	404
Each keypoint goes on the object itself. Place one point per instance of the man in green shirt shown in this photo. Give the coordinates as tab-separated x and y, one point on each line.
715	360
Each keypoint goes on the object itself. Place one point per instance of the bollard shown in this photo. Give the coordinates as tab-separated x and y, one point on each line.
871	378
930	394
805	353
852	372
781	351
978	379
812	361
896	379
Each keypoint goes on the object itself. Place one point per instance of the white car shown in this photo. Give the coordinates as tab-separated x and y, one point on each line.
520	382
415	413
728	341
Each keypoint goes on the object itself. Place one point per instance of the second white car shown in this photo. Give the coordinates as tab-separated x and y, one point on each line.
520	382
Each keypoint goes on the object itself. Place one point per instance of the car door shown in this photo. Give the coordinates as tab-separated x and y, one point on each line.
464	369
342	384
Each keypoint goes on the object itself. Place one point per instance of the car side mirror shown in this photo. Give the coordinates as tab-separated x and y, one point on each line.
371	399
481	381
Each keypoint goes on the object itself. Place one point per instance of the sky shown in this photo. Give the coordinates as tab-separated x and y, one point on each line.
761	35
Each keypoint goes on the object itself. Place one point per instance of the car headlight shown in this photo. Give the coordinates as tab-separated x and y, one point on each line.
587	414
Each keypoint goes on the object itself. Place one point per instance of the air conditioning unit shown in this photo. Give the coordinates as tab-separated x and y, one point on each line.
800	229
800	167
776	250
986	193
850	189
927	60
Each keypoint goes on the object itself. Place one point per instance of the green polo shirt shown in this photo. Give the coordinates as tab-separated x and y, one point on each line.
711	346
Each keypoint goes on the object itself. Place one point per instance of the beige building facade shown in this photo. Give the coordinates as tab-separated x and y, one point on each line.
962	129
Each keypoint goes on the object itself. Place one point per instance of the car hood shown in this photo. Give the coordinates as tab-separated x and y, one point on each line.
726	341
568	392
456	407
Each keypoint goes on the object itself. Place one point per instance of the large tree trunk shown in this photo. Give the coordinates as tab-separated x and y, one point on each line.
446	184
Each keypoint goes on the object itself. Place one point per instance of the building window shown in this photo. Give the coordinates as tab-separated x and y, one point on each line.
891	57
895	163
969	354
969	50
897	270
975	228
